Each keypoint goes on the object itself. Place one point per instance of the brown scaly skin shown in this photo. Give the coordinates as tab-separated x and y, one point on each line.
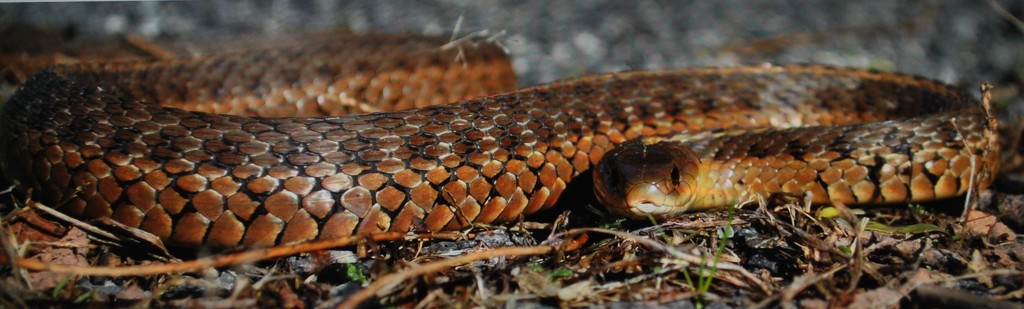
116	131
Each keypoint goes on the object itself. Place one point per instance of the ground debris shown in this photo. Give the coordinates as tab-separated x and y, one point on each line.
769	256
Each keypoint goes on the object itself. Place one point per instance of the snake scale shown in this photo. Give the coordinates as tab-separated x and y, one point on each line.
345	136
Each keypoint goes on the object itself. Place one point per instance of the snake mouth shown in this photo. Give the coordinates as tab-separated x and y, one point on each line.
648	199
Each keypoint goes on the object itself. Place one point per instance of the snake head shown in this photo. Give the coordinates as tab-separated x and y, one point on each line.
649	176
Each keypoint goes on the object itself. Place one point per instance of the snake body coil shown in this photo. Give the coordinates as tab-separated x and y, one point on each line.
191	150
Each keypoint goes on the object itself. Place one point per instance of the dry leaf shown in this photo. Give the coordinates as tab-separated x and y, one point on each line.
986	225
977	265
536	283
577	291
72	251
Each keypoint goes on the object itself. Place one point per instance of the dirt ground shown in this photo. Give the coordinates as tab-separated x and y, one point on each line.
778	252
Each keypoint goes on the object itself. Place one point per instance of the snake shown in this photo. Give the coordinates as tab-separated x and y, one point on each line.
348	135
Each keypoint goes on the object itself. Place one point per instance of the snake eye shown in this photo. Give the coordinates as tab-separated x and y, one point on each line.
676	179
612	179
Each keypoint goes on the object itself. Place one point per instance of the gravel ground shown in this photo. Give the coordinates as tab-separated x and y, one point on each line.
955	41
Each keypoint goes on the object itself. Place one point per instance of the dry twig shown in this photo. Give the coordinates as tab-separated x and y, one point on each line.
388	281
244	257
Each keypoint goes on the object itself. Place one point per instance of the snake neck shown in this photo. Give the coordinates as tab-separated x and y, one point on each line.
898	161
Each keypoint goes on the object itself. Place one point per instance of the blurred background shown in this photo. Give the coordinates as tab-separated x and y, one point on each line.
962	41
